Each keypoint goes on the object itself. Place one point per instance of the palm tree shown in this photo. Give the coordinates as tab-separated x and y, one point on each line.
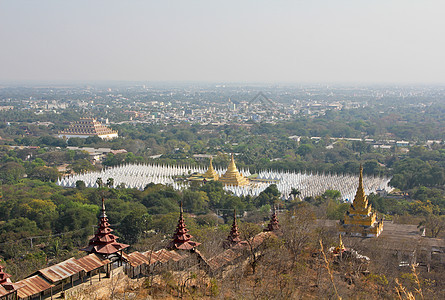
110	182
99	182
294	193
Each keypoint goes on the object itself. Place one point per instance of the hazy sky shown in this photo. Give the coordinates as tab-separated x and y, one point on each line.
365	41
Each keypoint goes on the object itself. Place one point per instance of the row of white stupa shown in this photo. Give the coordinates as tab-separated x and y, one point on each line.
139	175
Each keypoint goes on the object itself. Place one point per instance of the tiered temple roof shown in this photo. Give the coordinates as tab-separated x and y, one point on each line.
6	285
234	236
273	223
104	242
181	240
4	277
360	220
88	127
232	176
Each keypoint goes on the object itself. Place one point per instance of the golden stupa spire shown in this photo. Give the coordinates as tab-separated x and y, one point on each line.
211	173
340	244
341	247
211	163
360	199
232	166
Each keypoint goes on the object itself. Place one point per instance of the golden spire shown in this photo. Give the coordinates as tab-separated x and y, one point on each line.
340	244
340	248
232	166
211	165
211	173
360	199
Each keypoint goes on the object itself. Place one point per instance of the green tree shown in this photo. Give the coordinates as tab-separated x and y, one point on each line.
134	225
44	174
11	172
269	196
434	224
195	201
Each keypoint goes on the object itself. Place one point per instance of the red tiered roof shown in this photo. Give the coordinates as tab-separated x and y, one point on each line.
181	239
273	223
6	285
104	242
233	237
3	276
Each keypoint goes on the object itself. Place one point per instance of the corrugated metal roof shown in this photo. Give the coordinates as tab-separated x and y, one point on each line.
3	291
61	270
91	262
223	258
136	259
33	285
162	256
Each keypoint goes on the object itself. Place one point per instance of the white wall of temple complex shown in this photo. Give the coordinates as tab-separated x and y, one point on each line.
309	184
109	136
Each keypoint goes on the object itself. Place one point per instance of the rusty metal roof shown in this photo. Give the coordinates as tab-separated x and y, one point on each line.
3	291
136	259
61	270
33	285
223	258
91	262
163	256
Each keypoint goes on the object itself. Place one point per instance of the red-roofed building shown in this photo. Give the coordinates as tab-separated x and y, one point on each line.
8	290
273	223
234	236
104	242
181	239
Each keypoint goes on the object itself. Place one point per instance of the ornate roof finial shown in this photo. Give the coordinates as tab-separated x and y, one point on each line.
360	180
103	213
360	200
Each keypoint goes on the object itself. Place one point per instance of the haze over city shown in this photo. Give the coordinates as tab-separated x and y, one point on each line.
357	41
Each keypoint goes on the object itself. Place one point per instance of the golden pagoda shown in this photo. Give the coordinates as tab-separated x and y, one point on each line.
360	220
211	174
232	176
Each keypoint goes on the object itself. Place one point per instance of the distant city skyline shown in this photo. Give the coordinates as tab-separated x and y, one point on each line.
342	41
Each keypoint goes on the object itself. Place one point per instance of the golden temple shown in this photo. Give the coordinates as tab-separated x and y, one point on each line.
360	220
232	176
